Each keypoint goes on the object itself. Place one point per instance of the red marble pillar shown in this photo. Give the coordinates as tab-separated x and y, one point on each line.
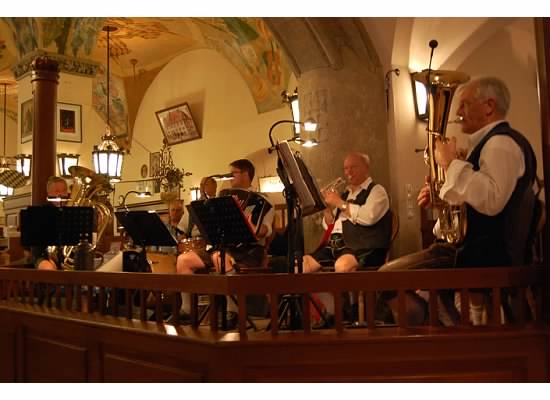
44	79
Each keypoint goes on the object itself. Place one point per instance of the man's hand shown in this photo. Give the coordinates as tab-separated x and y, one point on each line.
424	199
445	152
332	198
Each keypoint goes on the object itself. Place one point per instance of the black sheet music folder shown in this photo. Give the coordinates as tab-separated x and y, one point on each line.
221	221
146	228
48	225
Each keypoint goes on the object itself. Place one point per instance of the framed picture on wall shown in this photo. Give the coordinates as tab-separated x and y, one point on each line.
177	124
27	120
154	164
68	122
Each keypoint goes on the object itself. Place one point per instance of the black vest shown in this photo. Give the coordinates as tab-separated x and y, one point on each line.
502	239
359	237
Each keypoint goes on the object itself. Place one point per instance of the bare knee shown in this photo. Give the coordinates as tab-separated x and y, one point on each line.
346	263
187	263
310	265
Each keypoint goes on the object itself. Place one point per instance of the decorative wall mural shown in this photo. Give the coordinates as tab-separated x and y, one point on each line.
118	111
250	47
246	42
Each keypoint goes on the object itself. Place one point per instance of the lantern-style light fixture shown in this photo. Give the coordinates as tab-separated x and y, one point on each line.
108	156
195	193
292	100
23	163
9	179
65	161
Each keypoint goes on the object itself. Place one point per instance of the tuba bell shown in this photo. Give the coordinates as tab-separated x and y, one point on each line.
442	86
86	191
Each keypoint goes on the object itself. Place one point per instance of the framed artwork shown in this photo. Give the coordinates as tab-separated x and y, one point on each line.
68	122
27	120
177	124
154	164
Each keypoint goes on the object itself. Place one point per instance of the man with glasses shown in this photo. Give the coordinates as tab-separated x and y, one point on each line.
495	182
243	172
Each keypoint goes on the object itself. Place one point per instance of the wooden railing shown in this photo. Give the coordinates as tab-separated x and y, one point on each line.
103	293
68	329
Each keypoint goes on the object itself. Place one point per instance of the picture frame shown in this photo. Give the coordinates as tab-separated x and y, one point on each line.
177	124
154	164
27	120
68	122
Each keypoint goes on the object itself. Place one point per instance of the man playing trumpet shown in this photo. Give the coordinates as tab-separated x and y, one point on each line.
360	220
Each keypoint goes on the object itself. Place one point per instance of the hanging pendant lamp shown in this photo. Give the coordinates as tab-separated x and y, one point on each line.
108	156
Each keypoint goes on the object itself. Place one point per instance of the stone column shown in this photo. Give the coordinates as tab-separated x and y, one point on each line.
44	80
349	106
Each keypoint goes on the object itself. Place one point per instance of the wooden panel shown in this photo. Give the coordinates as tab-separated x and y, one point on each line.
7	355
121	369
48	360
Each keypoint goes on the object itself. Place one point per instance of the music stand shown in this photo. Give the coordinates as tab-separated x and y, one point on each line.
146	229
302	198
66	225
223	224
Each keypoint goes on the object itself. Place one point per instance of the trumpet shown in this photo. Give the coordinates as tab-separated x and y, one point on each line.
336	185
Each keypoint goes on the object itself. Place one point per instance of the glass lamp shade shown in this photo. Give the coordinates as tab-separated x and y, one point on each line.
195	193
23	164
108	159
65	161
5	191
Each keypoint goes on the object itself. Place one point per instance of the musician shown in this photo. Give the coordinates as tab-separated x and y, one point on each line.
57	190
175	214
362	222
208	187
495	182
243	173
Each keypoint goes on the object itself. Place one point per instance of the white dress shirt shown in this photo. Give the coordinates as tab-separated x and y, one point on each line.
501	164
377	204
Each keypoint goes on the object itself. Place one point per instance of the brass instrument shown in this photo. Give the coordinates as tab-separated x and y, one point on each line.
336	185
87	186
442	86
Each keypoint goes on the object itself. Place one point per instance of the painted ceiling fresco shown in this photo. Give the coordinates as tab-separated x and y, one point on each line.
142	44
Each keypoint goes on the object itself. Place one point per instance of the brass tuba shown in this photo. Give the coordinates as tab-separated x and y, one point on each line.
85	192
442	86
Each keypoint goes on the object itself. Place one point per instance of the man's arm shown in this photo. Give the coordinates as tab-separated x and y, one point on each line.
501	164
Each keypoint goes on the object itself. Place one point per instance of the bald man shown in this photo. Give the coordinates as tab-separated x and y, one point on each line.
362	221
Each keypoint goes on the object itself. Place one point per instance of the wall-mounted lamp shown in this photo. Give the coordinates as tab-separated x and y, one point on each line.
142	195
195	193
64	162
420	95
309	125
222	177
108	156
271	184
292	100
23	163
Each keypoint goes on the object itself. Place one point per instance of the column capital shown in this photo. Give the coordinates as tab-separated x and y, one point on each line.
71	65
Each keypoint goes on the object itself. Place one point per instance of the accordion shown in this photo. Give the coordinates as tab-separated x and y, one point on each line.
253	204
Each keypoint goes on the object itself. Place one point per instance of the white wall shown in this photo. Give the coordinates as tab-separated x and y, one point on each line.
223	110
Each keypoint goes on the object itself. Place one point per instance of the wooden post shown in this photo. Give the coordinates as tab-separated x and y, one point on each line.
44	79
542	36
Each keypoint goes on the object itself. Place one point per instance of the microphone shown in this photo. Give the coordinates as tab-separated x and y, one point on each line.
433	44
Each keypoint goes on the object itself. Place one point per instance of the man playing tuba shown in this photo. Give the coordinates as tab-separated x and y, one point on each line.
495	183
